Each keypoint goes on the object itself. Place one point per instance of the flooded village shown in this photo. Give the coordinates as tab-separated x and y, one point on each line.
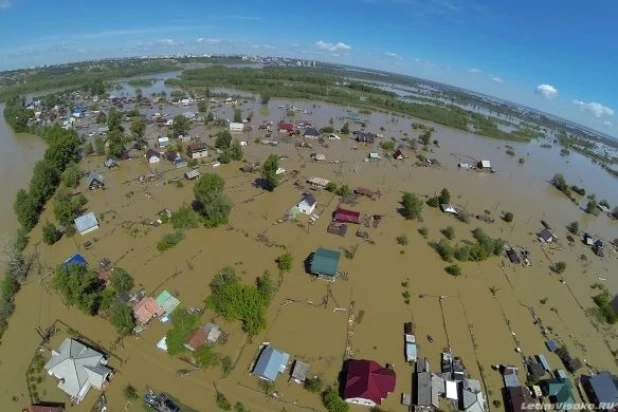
363	298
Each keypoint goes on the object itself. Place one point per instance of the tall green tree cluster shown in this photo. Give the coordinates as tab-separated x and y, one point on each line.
237	301
269	172
214	205
231	148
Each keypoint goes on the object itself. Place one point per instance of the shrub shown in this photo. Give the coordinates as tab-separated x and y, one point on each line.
560	267
453	270
331	187
573	227
449	232
313	385
445	250
284	262
50	234
423	231
130	393
170	240
402	239
522	160
508	217
222	402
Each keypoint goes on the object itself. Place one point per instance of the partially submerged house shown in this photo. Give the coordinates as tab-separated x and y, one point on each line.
300	371
518	399
192	174
448	208
311	133
398	155
152	156
111	163
366	137
471	398
271	363
44	408
559	392
95	180
337	229
86	223
307	204
167	302
318	182
588	240
164	142
207	334
146	309
513	255
236	127
545	236
286	128
342	215
197	150
368	383
78	368
484	165
601	389
361	191
324	263
410	341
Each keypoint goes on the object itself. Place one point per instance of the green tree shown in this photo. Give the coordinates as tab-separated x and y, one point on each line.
445	250
210	117
425	137
180	125
114	119
202	106
50	233
214	205
592	207
453	270
313	385
445	197
138	128
560	267
205	357
573	227
71	176
402	240
224	140
344	191
99	146
332	401
130	393
265	287
559	182
26	209
121	280
225	157
411	206
139	95
237	116
66	206
183	324
115	143
269	172
239	407
236	152
78	287
121	317
45	178
346	128
265	99
222	402
285	262
508	217
89	149
185	218
449	232
331	187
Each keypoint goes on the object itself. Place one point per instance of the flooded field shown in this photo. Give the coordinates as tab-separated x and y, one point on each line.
484	316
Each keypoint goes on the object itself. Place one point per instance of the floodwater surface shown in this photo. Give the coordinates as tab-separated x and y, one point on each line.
483	316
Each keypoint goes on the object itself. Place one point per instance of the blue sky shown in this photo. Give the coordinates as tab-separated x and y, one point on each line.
556	56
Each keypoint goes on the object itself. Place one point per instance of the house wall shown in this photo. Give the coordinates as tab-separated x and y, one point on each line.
305	208
90	229
199	155
362	402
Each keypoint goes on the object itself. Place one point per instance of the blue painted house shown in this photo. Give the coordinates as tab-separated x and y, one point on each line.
76	259
270	364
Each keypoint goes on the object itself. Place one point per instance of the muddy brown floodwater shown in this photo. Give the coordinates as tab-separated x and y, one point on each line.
481	328
17	157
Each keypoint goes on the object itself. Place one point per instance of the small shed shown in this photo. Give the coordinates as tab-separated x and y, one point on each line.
111	163
300	371
76	259
464	165
167	301
95	180
398	155
86	223
361	191
543	361
192	174
446	208
484	164
513	255
588	240
545	236
551	346
374	156
319	157
337	229
324	263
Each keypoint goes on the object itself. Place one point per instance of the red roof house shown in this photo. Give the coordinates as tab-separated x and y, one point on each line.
286	127
368	383
346	216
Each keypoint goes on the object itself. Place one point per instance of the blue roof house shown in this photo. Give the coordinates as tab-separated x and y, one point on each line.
601	389
76	259
270	364
324	263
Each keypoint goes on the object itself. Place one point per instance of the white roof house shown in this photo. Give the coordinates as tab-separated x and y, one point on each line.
86	223
446	208
374	155
307	204
164	141
78	368
236	127
485	164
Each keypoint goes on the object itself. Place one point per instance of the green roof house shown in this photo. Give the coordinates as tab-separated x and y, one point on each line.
324	263
559	391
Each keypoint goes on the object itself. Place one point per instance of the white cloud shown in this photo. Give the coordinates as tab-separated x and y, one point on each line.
474	71
392	55
263	46
608	123
595	109
167	42
210	41
498	79
546	90
332	47
4	4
